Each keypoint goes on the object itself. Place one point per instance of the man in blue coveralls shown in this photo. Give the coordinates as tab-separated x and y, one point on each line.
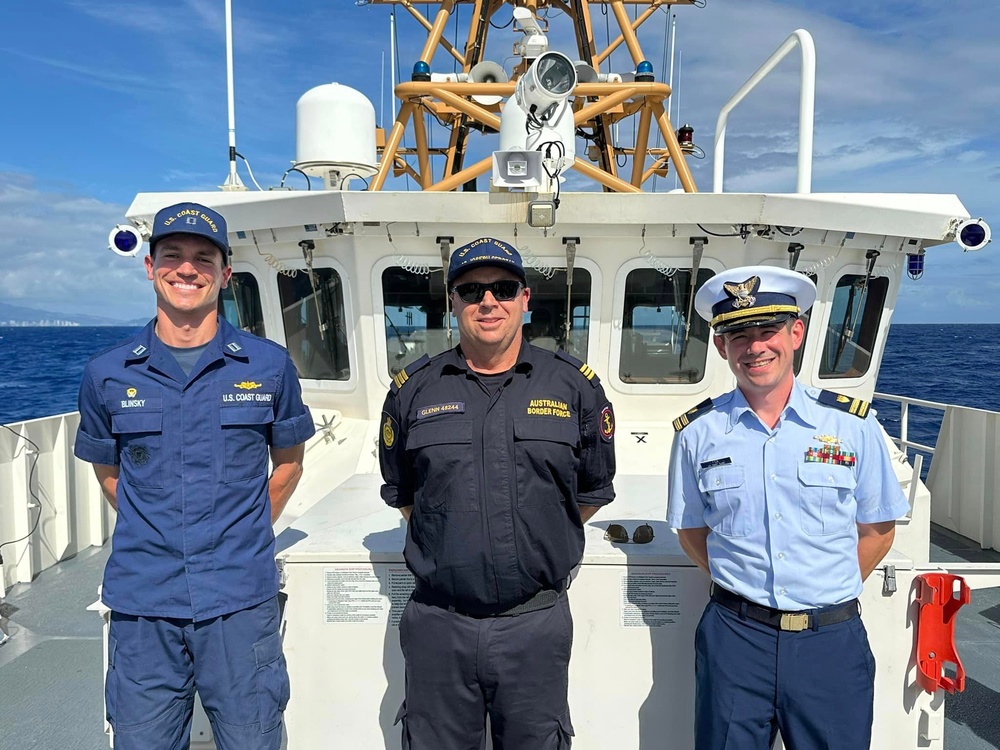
178	423
786	497
497	453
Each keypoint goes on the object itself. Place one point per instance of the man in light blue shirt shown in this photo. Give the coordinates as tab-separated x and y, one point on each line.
786	497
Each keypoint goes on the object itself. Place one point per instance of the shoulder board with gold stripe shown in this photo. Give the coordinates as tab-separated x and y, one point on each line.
855	406
403	375
585	369
692	414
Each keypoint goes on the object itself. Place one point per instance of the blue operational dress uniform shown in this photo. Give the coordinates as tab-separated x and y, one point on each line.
781	644
496	469
191	577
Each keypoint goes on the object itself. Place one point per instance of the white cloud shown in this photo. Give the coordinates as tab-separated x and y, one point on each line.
54	246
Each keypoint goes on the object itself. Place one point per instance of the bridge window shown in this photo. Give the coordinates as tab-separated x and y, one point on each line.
414	307
663	339
315	324
853	329
239	303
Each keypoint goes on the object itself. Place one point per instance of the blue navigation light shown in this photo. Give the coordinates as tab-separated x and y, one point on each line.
421	71
915	265
126	242
644	72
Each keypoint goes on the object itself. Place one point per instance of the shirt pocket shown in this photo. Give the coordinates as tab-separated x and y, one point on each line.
245	437
443	466
546	457
826	498
728	513
140	439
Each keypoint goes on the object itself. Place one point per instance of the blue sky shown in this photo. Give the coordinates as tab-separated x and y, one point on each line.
102	100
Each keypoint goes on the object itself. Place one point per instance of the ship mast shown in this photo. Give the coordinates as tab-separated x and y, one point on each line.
471	101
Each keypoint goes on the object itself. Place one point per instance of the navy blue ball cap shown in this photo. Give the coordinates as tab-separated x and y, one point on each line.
485	251
191	218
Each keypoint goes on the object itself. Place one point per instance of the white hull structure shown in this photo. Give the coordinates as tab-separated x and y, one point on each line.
351	283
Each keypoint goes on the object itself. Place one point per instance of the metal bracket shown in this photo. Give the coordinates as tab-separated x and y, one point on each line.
445	243
794	250
570	243
889	582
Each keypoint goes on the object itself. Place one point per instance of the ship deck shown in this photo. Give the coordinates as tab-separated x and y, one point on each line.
50	677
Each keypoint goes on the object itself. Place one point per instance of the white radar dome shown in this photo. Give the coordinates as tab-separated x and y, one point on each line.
335	134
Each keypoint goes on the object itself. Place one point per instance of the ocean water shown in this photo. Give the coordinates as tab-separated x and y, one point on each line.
40	370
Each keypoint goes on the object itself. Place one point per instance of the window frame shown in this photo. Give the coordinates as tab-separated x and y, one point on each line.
614	365
350	322
378	305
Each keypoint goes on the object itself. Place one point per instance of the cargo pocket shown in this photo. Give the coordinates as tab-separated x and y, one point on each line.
727	514
140	435
111	682
566	733
272	681
244	432
441	455
826	494
401	721
547	453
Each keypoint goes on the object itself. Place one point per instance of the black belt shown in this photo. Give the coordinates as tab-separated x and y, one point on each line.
542	600
780	620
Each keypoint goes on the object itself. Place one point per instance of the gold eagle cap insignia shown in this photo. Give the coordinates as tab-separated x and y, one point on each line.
742	293
247	385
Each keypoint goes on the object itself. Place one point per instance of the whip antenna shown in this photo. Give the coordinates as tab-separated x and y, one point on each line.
232	182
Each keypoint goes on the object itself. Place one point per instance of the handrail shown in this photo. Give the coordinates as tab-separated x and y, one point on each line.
905	402
807	98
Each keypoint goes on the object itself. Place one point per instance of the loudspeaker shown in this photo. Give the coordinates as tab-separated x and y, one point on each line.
487	72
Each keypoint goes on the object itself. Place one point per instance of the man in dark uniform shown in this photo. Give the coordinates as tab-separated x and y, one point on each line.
497	453
179	422
786	496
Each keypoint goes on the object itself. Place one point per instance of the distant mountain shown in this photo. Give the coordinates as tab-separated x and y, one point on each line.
21	316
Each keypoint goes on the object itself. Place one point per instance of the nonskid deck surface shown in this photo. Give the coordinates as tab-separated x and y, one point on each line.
50	668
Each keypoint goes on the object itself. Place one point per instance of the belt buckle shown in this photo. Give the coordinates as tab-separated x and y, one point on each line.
794	623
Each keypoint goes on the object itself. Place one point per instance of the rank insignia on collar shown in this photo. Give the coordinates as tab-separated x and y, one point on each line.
388	433
139	350
131	393
234	347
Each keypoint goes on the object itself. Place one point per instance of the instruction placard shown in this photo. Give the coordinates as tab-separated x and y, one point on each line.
650	600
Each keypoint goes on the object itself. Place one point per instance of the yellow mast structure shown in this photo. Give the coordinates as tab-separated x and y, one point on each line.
597	106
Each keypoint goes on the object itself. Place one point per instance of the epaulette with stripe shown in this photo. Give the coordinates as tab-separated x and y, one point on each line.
692	414
855	406
403	375
580	365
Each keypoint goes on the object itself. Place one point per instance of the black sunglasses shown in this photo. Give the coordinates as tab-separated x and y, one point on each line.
618	534
503	290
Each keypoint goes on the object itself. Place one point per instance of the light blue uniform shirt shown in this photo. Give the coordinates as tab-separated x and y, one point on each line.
782	524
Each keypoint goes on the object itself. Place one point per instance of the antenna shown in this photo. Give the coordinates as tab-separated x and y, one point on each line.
233	182
680	69
392	62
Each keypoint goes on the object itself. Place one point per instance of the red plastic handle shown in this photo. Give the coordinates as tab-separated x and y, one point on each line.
939	605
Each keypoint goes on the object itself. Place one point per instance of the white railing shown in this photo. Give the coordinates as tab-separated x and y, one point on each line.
51	506
807	99
964	477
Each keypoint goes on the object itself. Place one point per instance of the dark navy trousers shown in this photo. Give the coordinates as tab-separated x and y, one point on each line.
234	661
461	669
815	687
